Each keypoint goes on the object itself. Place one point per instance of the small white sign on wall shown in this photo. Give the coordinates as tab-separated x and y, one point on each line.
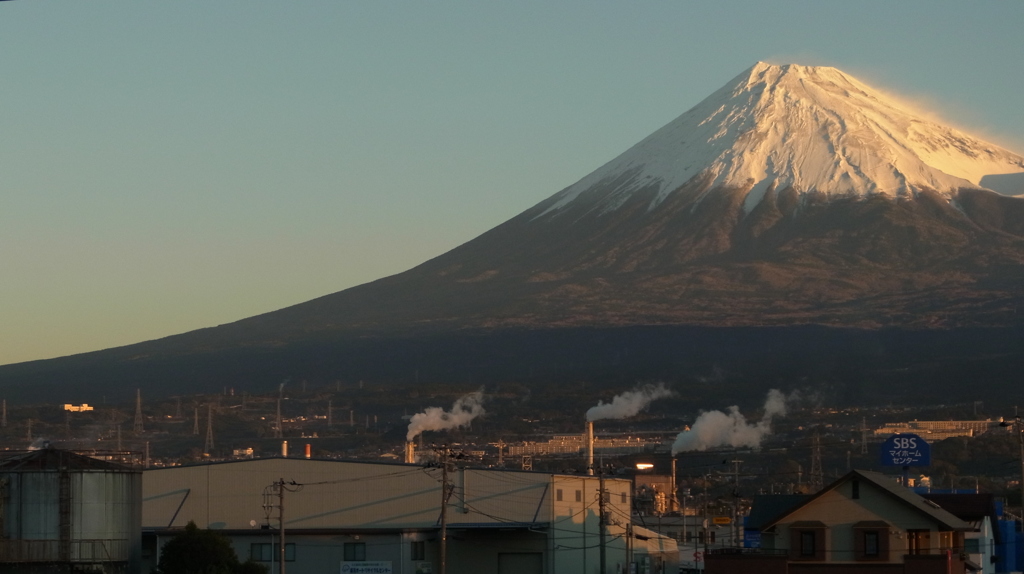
381	567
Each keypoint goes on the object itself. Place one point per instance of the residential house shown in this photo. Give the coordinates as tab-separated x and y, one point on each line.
862	521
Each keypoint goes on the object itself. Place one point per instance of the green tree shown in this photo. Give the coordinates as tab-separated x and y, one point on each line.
196	551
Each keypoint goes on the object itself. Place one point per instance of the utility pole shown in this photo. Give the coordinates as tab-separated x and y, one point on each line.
735	501
1020	440
705	523
280	522
280	486
601	521
446	455
1018	429
444	510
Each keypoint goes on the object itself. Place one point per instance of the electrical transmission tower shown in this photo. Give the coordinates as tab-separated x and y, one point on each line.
138	412
817	476
209	429
863	435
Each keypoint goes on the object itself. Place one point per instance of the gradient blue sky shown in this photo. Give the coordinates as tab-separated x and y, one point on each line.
167	166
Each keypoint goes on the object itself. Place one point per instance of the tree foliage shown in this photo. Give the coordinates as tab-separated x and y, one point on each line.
196	551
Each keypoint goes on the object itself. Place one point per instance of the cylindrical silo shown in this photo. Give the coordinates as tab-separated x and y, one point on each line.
63	511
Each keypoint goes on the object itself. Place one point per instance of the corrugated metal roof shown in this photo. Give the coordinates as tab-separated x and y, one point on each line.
329	494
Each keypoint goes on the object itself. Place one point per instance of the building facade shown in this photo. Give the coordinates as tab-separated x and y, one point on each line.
343	516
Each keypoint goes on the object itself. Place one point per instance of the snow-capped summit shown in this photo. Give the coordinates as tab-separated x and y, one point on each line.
809	128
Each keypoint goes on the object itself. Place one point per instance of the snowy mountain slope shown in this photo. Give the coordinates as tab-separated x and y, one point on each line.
814	129
791	197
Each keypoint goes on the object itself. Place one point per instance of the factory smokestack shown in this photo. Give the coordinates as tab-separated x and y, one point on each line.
410	452
309	451
284	449
590	448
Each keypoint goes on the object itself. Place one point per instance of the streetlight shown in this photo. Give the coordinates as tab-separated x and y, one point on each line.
1016	426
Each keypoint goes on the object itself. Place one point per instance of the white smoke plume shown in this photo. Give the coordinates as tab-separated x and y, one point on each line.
463	412
715	428
628	403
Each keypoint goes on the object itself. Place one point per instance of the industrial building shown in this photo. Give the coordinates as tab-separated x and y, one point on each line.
389	518
66	512
938	430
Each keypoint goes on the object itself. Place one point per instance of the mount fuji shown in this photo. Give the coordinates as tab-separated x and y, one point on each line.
792	196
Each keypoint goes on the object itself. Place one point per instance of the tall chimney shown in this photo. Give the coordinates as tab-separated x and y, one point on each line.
410	453
309	450
590	448
284	449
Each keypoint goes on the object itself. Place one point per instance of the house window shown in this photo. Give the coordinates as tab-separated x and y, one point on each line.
706	536
558	495
919	541
355	551
947	541
419	550
265	552
871	540
807	540
623	501
579	496
807	547
972	546
871	543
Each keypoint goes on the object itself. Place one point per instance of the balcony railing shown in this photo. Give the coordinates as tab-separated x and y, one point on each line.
747	552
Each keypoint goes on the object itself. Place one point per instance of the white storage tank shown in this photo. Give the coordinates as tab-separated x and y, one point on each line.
61	511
